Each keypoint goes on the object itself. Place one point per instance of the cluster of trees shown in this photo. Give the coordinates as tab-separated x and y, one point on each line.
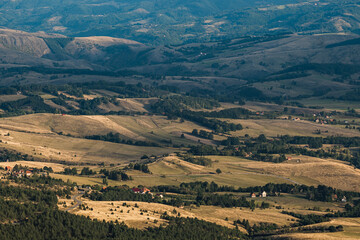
87	171
115	175
34	103
203	134
21	106
308	219
191	188
91	106
181	102
238	113
115	137
12	156
140	167
319	141
202	150
261	148
231	141
257	229
203	161
70	171
233	113
264	229
351	210
319	193
78	89
129	90
174	109
200	197
48	169
226	200
52	89
216	125
45	169
123	193
268	158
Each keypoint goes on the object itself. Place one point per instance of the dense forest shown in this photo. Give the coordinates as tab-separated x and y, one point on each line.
34	215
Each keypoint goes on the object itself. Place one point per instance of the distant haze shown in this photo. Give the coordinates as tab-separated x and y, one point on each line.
175	22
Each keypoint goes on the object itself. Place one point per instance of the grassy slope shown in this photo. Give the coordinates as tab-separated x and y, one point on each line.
328	172
209	213
44	136
351	230
273	128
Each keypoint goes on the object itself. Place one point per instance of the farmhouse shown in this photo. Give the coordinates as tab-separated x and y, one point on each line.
143	190
28	173
22	173
136	190
263	194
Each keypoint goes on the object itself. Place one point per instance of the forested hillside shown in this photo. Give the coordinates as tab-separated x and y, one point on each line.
174	22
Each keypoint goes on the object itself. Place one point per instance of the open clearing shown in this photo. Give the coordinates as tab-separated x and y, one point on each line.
172	170
132	216
309	170
240	172
52	147
47	136
273	128
150	128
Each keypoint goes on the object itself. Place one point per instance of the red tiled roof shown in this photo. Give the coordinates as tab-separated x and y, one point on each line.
136	190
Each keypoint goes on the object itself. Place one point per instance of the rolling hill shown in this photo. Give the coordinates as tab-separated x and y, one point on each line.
174	22
288	66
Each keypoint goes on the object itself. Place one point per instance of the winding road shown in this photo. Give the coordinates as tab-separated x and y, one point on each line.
78	201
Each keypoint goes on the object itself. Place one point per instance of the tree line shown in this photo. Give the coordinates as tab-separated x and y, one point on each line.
116	138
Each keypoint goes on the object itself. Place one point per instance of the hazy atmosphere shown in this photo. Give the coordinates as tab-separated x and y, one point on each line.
177	120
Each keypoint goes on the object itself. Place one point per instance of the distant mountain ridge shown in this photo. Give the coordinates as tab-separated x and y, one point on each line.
243	57
161	22
274	66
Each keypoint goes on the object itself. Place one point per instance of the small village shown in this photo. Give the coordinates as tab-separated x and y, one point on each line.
19	172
